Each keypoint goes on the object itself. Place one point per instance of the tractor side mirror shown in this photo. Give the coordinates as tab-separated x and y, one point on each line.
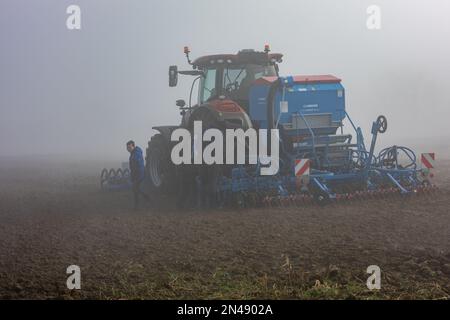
173	76
180	103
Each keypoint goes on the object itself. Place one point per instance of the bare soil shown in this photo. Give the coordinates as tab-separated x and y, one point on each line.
53	214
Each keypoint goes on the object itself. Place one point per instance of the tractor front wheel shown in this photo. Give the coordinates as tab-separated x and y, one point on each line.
159	167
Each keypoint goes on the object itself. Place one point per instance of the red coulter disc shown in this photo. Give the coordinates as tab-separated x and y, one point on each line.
302	199
387	193
366	194
269	201
287	201
277	201
381	193
291	200
294	200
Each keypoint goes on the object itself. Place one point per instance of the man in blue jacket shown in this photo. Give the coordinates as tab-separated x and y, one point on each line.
137	171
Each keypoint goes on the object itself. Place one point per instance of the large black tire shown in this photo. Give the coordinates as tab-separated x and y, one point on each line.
205	193
160	169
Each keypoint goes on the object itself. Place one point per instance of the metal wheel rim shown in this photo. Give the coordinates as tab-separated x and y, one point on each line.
154	171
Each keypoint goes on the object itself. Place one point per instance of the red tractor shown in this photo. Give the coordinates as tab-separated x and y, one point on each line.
222	101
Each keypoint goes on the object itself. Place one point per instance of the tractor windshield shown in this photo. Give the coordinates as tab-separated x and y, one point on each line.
232	81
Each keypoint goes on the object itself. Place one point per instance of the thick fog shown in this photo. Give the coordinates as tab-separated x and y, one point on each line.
84	93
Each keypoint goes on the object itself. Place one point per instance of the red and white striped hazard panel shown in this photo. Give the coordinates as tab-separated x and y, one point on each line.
427	160
301	167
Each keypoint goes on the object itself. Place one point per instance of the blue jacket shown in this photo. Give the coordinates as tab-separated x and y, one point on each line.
137	167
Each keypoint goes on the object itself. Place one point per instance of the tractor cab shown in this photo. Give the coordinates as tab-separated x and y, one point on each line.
230	76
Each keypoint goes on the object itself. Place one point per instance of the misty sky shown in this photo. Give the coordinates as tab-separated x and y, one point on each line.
87	92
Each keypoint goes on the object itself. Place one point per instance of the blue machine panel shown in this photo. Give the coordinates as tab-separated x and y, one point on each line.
305	98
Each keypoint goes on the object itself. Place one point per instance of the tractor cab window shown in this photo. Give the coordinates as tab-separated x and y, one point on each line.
232	81
232	78
237	80
208	85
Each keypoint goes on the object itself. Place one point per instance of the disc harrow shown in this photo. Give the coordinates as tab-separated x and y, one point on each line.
115	179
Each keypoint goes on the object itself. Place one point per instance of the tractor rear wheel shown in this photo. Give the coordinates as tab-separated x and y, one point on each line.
207	175
159	168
